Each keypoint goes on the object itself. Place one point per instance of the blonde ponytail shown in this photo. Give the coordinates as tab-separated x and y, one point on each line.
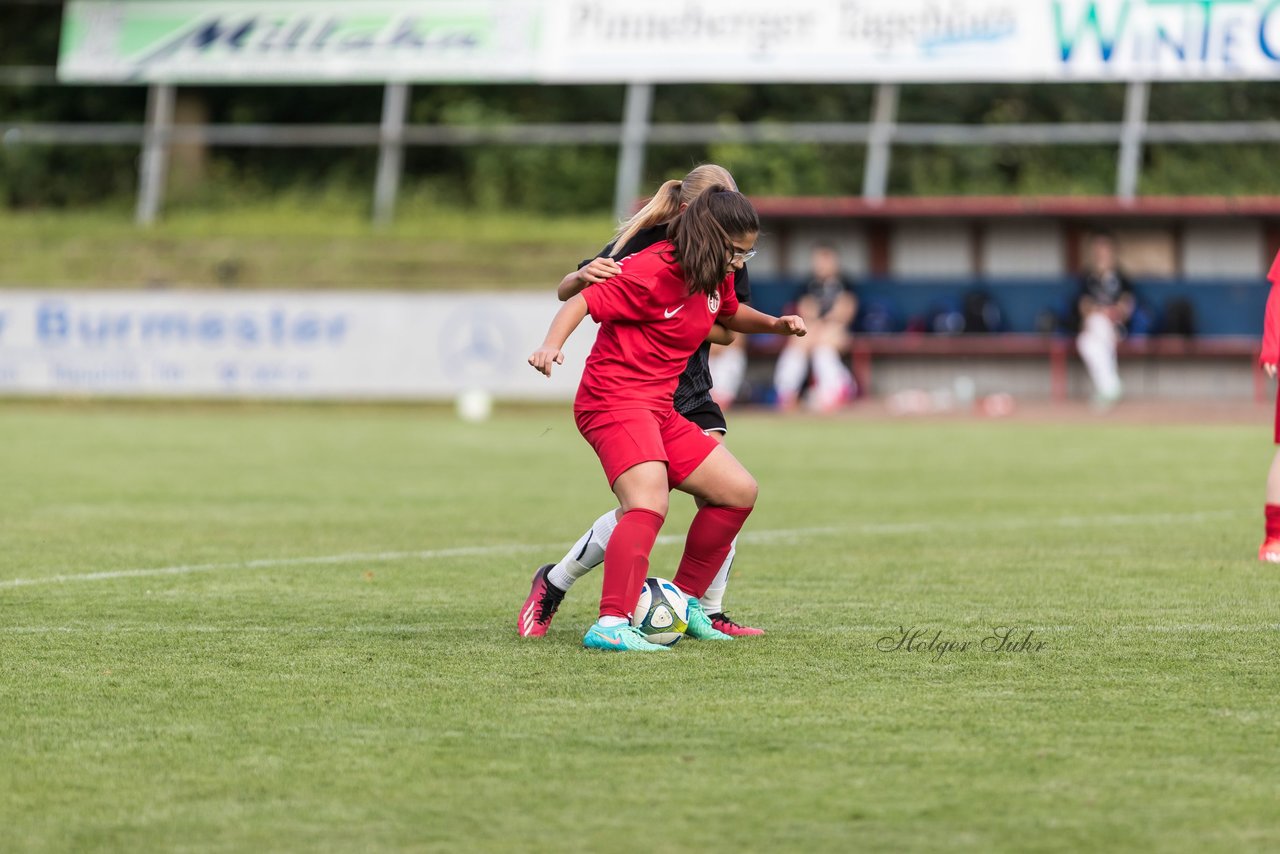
665	204
663	207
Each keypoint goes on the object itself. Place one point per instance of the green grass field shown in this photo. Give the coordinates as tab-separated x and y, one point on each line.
250	628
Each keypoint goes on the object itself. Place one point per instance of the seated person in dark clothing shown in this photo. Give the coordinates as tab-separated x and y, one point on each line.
828	303
1105	303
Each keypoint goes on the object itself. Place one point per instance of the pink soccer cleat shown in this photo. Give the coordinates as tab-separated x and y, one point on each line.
721	622
544	598
1269	551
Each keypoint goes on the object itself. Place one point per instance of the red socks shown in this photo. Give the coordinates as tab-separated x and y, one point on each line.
626	561
707	545
626	558
1273	521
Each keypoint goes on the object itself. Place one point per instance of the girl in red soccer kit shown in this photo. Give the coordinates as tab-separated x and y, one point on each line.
1270	549
653	315
693	399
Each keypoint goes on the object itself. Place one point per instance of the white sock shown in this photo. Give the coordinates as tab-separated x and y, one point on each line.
713	599
789	372
831	374
1097	346
727	370
610	622
587	553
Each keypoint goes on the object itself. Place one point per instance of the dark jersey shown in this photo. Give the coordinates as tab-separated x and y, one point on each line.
694	387
827	291
1105	289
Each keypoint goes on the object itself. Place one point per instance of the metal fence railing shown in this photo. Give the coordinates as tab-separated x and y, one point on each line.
392	134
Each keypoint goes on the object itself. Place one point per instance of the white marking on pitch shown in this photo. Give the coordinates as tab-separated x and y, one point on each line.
867	529
881	631
218	630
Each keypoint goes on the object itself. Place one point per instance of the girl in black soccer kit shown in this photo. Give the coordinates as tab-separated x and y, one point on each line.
692	400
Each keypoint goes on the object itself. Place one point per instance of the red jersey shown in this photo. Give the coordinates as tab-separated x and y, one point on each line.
649	327
1271	323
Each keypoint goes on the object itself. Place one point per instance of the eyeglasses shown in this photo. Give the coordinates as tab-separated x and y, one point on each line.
744	257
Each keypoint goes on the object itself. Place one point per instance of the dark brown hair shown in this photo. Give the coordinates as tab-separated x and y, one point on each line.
702	236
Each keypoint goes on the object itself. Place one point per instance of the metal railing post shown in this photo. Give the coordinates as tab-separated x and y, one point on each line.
155	153
395	101
884	114
635	133
1129	167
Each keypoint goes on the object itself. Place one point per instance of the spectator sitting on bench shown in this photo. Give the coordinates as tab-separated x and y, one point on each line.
1105	303
828	303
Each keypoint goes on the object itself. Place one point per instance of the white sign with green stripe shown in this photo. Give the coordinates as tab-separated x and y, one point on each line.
313	41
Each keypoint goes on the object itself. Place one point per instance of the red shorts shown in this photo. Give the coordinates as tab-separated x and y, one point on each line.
623	438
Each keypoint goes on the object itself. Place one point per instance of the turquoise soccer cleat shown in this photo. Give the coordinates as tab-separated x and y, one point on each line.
622	638
700	627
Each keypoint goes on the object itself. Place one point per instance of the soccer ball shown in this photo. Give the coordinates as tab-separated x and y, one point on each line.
662	614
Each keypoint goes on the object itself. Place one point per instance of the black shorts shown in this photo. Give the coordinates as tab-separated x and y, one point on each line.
708	416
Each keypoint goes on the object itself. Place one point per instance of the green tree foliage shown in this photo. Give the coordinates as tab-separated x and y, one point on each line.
562	179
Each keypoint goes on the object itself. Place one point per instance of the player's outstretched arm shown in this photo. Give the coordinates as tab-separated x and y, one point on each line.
598	270
720	335
562	326
751	322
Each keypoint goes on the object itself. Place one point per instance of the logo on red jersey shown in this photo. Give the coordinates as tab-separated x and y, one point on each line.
671	312
713	302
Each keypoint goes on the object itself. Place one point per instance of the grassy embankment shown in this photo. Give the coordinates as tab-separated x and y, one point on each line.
311	243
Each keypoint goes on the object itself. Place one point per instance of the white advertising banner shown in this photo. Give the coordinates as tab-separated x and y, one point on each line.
801	40
281	345
912	40
599	41
298	40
